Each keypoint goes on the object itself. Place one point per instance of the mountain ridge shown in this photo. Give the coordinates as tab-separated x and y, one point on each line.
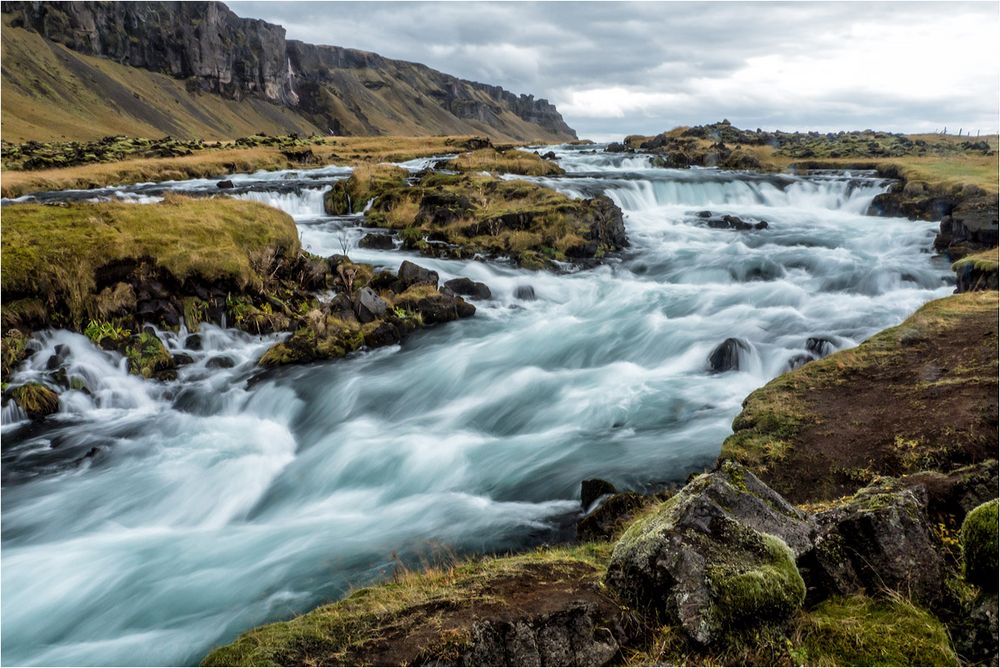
214	52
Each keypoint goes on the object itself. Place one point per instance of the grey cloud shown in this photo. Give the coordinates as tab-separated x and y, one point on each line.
692	50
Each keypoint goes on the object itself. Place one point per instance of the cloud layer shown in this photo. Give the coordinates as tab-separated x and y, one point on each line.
619	68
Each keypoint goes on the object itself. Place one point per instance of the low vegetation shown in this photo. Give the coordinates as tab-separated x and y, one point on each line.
876	409
511	161
466	215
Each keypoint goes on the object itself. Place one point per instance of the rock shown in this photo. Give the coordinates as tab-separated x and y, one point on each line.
550	155
795	361
58	358
615	147
524	293
606	224
437	308
377	242
220	362
385	334
719	554
733	223
726	355
979	546
820	346
877	540
182	358
368	305
224	185
193	342
951	496
412	274
466	287
609	518
593	489
36	400
975	635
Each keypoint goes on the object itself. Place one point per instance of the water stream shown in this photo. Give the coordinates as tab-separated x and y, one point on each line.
150	521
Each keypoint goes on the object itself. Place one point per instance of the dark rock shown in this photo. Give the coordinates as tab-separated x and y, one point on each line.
377	242
385	334
550	155
975	634
58	358
606	225
877	540
951	496
795	361
466	287
593	489
524	293
342	307
182	358
820	346
979	547
438	308
726	355
412	274
369	306
383	280
615	147
718	555
612	516
704	214
220	362
734	223
193	342
224	185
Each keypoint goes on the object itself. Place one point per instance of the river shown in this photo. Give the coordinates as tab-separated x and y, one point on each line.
211	505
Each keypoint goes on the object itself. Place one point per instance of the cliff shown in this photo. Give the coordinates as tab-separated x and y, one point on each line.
222	58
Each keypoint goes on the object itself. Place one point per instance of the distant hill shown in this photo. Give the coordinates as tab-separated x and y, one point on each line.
82	70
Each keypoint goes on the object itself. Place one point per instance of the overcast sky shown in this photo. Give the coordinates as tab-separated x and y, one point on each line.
619	68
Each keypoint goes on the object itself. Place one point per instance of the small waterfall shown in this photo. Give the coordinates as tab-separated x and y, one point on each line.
307	203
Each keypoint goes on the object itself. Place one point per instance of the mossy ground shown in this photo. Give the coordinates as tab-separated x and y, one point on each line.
984	261
53	254
917	396
417	614
511	161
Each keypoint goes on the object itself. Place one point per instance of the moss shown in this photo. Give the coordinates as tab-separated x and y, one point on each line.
53	253
367	180
979	546
147	356
507	162
195	311
35	399
985	261
340	633
13	350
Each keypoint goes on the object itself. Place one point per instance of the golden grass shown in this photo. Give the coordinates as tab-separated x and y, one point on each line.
507	162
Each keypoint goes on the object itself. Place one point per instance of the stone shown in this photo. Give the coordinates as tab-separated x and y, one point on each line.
193	342
412	274
726	355
820	346
612	516
979	546
377	242
220	362
877	540
224	185
717	555
975	635
369	306
466	287
593	489
385	334
524	293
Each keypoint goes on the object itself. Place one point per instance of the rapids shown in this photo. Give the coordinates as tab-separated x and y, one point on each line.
148	522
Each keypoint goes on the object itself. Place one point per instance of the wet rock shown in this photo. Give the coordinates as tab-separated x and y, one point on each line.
877	540
377	242
726	355
369	306
820	346
720	554
224	184
524	293
466	287
385	334
550	155
220	362
735	223
193	342
181	359
412	274
612	516
795	361
58	358
437	308
593	489
606	225
615	147
35	399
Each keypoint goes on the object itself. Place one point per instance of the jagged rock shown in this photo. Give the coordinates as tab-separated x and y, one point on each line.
718	554
970	225
412	274
820	346
877	540
729	222
611	516
951	496
524	293
369	306
726	355
377	242
466	287
593	489
976	636
606	224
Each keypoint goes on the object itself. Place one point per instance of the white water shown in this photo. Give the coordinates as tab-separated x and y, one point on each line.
212	506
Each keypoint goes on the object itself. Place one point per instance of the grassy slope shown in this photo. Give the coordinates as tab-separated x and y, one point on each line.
918	396
51	92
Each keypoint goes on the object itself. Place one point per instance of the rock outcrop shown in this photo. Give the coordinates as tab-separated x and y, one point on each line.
340	91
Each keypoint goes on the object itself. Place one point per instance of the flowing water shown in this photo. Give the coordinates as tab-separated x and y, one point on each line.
147	522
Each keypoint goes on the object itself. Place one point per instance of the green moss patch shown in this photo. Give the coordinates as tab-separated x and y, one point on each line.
979	546
35	399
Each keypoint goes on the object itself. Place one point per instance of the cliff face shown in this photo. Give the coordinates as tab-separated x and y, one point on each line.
343	91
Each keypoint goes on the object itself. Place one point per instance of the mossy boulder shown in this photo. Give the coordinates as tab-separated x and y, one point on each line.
979	546
367	180
877	542
36	400
148	357
715	557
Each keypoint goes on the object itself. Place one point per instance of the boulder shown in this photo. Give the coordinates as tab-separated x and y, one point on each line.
466	287
875	541
220	362
36	400
384	334
610	517
717	555
437	308
377	242
193	342
225	184
593	489
820	346
368	306
975	635
729	222
979	546
412	274
524	293
726	355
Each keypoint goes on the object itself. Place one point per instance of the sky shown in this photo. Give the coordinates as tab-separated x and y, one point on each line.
616	68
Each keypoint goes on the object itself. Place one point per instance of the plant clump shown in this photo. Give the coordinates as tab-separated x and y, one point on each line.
511	161
979	546
35	399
